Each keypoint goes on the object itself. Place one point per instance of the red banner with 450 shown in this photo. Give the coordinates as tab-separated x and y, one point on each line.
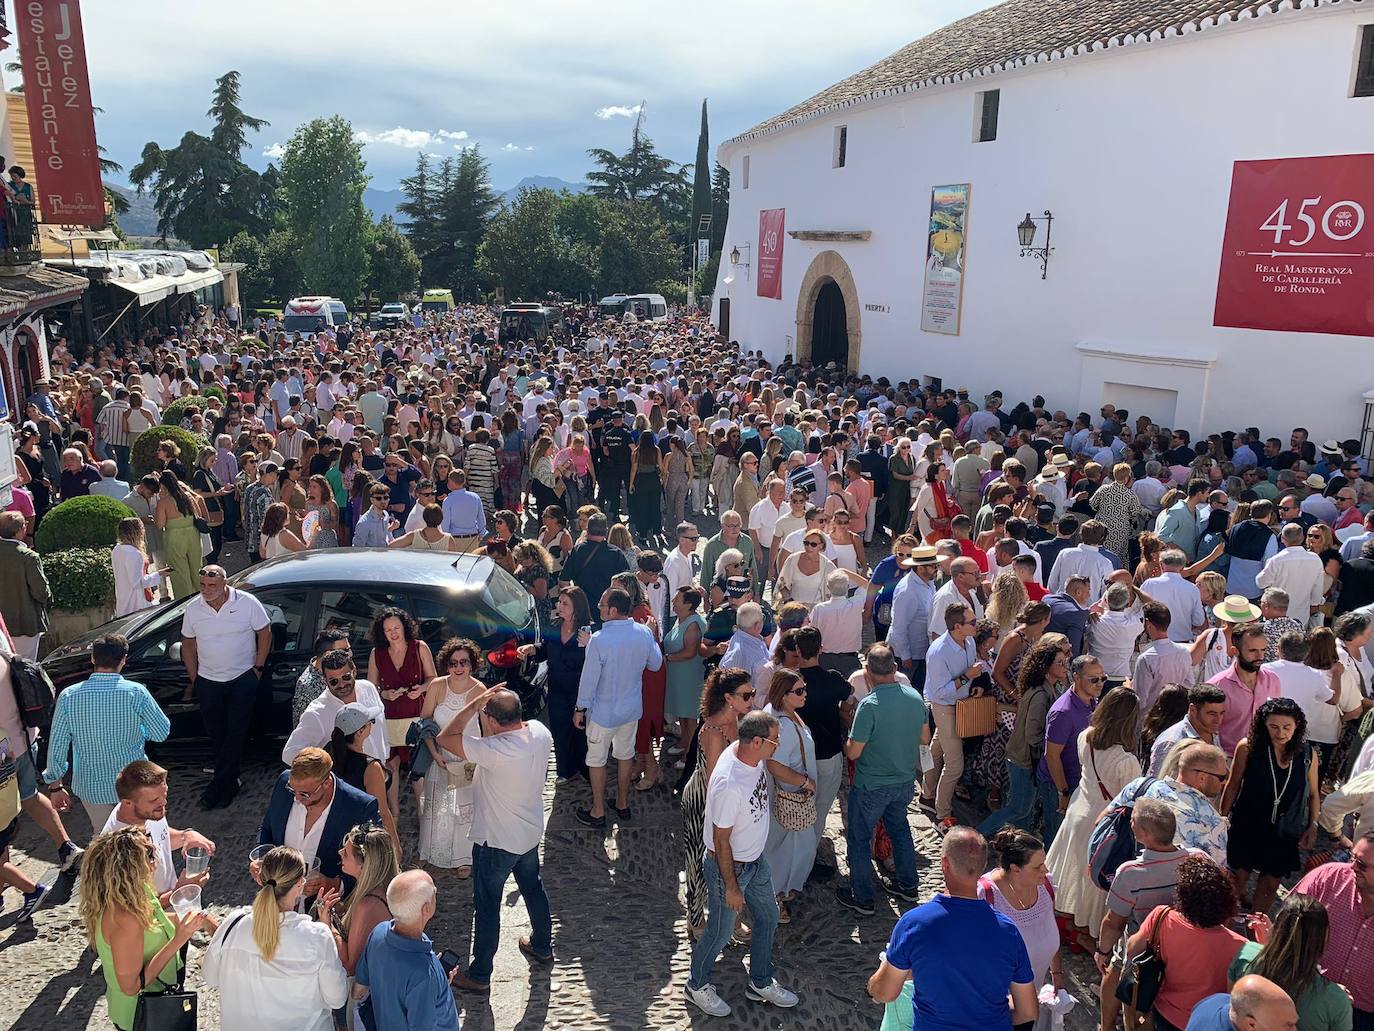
1298	254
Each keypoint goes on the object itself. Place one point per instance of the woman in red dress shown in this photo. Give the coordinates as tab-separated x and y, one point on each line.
654	686
401	666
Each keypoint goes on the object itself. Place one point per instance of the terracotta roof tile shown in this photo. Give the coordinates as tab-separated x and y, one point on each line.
1020	32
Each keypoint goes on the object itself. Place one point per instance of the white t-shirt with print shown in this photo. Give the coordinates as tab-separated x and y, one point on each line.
737	797
165	875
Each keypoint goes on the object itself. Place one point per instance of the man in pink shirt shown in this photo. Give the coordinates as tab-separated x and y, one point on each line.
861	491
1246	684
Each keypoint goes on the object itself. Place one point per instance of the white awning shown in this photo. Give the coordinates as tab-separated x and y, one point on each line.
149	290
193	281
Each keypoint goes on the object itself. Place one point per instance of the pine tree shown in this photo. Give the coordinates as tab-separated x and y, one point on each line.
420	209
701	184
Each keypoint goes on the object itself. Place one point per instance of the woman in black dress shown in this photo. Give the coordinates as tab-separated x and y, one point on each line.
1272	800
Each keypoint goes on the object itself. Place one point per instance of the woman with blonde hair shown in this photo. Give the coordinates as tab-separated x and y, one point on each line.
1008	599
368	855
138	943
277	969
136	582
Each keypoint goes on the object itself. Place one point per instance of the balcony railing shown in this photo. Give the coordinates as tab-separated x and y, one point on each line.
20	247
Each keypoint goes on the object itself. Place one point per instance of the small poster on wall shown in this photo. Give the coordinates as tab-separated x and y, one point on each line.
1298	254
770	252
942	298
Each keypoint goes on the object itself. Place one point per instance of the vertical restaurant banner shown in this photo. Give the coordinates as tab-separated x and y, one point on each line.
770	253
942	298
1298	253
57	92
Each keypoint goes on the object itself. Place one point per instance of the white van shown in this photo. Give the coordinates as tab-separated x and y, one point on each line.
305	315
646	307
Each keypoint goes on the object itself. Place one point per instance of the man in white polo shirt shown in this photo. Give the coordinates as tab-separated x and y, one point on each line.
225	640
763	518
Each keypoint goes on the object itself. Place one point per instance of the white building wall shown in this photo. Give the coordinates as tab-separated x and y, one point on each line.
1132	150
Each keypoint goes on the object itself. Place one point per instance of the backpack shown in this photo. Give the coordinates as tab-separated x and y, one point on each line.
1112	842
34	693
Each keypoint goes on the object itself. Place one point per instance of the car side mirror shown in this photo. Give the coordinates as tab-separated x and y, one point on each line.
174	652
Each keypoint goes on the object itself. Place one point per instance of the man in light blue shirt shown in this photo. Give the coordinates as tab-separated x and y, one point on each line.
909	635
464	516
1180	523
951	663
110	485
373	529
105	721
610	701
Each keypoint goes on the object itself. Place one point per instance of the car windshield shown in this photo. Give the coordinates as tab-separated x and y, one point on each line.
504	594
393	309
302	323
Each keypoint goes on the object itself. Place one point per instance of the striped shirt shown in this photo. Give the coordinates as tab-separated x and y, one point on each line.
109	424
1145	882
105	721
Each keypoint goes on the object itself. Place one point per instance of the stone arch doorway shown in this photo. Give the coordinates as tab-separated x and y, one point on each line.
829	327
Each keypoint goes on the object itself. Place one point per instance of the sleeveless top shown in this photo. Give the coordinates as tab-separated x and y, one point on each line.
393	679
352	770
157	935
418	542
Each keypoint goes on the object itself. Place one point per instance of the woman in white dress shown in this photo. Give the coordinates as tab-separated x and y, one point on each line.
1106	751
802	577
446	806
1021	889
792	768
135	584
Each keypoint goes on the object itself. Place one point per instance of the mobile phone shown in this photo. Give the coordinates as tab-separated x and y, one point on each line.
448	959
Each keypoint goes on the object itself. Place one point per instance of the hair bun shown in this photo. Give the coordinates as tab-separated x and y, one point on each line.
269	883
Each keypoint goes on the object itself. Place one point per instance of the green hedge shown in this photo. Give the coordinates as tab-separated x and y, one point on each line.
214	391
89	522
180	409
143	456
82	578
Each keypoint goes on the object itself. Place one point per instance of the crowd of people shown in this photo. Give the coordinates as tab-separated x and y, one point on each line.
1124	671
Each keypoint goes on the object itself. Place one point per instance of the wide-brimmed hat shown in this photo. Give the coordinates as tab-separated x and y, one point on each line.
1060	459
1050	472
1236	608
1316	482
1331	447
922	555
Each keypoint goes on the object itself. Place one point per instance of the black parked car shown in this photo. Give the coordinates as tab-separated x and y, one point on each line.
449	596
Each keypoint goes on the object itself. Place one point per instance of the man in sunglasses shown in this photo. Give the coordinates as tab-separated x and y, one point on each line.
342	687
226	638
1060	771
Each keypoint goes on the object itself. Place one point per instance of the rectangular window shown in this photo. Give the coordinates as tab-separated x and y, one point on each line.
986	107
744	173
1364	63
841	145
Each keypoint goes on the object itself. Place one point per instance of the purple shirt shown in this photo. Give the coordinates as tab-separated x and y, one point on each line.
1068	717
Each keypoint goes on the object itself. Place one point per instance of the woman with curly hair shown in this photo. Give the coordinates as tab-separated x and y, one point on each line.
1193	935
1042	679
446	807
137	941
1273	800
400	665
726	696
1008	598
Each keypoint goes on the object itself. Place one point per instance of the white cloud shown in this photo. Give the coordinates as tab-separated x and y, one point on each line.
275	151
515	148
617	111
412	139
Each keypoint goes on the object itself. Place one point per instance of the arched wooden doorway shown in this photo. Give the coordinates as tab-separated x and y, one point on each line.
829	327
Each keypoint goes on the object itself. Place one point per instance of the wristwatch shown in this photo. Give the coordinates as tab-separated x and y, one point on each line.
1065	792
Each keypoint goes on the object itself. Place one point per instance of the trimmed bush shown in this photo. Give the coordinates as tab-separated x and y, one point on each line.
214	391
181	408
143	455
82	578
89	522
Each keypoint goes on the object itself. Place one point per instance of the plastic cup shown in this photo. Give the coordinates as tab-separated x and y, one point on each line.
197	860
255	859
186	899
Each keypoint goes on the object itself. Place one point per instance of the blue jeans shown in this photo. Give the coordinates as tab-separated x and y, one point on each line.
756	882
1020	802
1049	809
866	807
491	867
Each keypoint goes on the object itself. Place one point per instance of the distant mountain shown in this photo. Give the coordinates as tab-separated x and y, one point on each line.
382	202
141	218
542	182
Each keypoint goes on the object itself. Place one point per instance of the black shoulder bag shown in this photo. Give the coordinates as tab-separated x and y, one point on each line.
1142	977
171	1009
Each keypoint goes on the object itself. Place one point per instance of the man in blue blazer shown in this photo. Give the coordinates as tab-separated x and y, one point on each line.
304	795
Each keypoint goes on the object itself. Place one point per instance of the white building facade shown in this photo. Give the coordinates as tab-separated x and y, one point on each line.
1121	120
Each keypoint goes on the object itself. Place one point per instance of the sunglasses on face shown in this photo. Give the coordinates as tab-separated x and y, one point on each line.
342	678
1359	864
1094	680
304	796
745	696
459	660
798	691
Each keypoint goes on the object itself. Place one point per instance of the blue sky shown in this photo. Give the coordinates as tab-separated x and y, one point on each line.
534	82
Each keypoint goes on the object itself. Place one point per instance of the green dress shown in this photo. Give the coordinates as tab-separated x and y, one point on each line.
159	934
683	698
1324	1006
181	546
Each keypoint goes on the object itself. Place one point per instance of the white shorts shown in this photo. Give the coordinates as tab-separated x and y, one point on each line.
603	741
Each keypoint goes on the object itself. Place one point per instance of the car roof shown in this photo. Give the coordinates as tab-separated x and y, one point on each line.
368	566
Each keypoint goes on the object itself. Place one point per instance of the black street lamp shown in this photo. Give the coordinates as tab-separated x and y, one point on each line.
1025	235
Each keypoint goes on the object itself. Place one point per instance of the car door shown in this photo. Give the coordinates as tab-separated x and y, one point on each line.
155	662
289	613
352	610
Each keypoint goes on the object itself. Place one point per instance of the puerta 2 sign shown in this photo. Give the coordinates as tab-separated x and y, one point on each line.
770	253
57	92
1298	254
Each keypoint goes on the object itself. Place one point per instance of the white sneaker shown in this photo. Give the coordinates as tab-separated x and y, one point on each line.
706	1000
774	993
